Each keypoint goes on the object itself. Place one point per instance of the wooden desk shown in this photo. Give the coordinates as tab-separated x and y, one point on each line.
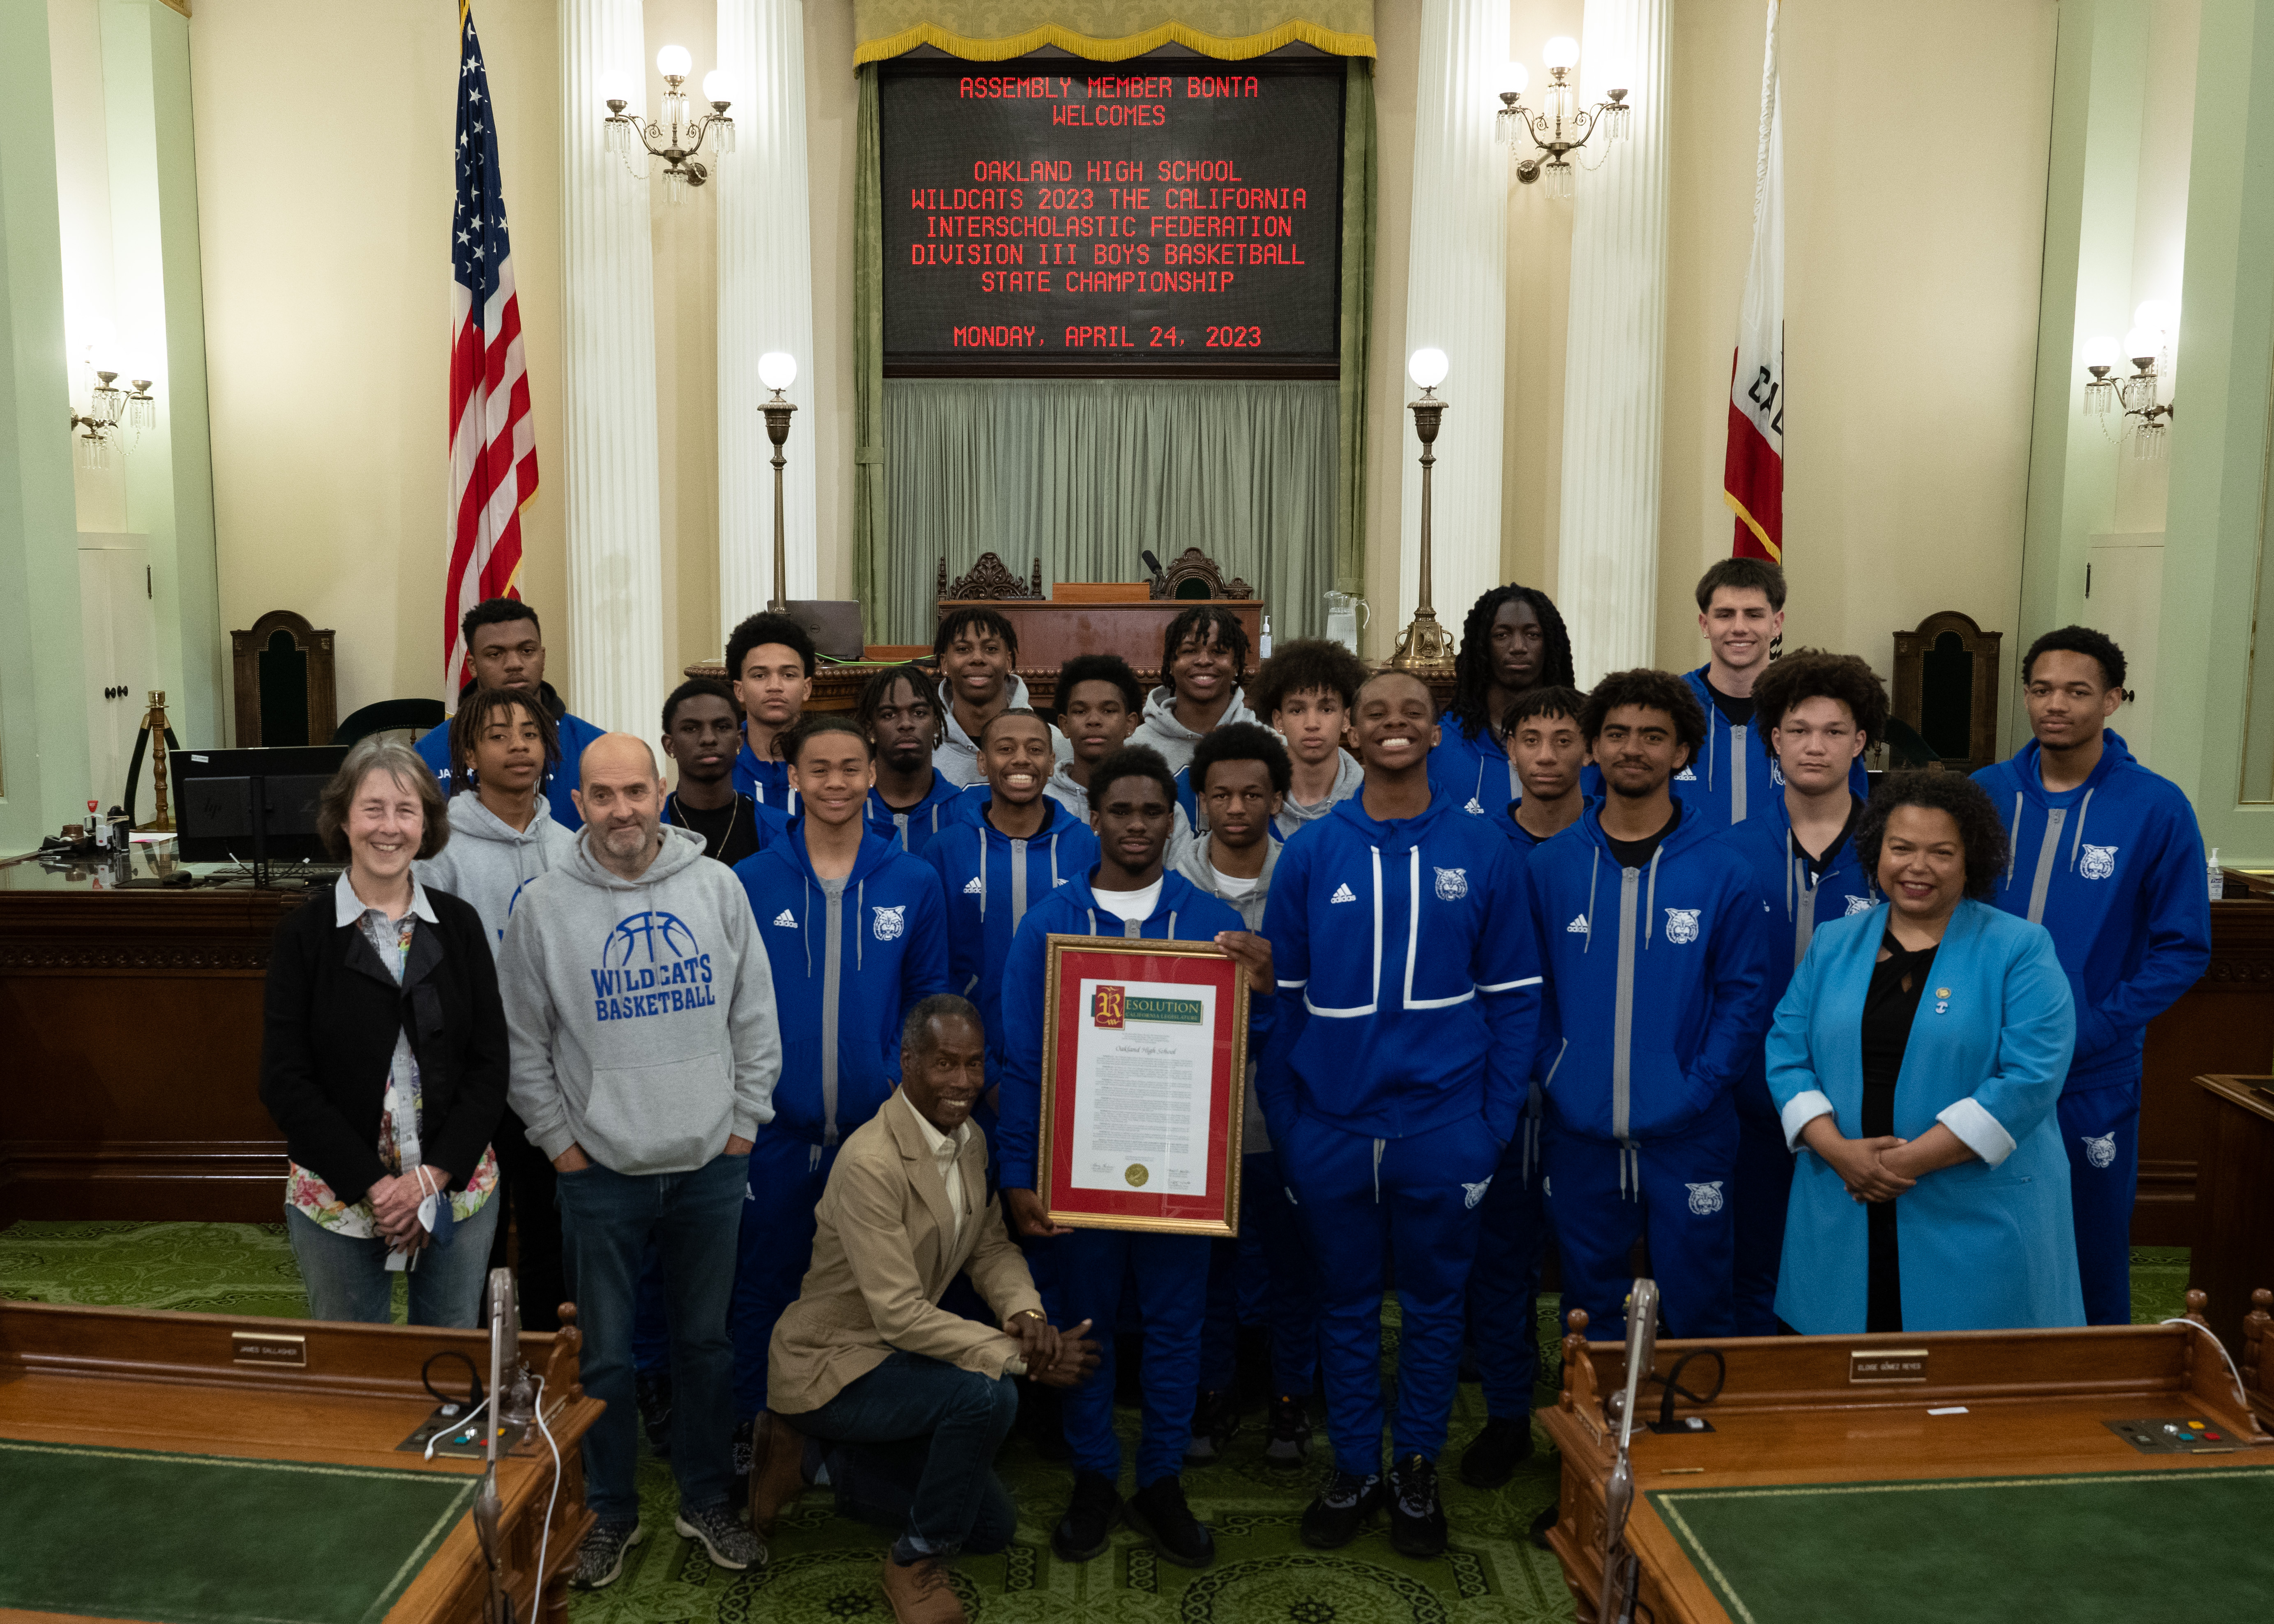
2035	1403
130	1025
2225	1024
2233	1250
127	1378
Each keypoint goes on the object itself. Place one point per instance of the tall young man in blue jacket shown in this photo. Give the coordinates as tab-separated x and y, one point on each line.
770	661
1741	613
2107	857
1817	712
1133	807
506	648
1409	990
856	936
1641	1045
913	801
1009	847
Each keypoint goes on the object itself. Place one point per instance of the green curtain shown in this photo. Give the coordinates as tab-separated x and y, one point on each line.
1359	144
871	529
1086	473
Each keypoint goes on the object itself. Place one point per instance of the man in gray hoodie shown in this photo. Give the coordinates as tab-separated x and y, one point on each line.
1203	661
644	1056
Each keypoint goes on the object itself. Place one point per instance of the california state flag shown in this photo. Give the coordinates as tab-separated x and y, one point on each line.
1752	476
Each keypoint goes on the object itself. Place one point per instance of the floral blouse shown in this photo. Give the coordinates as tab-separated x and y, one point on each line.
401	1110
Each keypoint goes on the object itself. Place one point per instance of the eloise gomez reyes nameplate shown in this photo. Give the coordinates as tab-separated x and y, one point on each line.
1144	1059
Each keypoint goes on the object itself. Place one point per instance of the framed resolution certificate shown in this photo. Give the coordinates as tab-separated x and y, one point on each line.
1144	1059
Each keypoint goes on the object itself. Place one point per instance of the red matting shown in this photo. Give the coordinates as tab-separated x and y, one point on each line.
1074	959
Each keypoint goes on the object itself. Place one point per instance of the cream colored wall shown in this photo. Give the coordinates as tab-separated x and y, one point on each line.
1911	264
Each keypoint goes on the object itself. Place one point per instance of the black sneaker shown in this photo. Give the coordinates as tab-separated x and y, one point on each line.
1346	1505
1158	1512
1216	1423
1290	1432
1087	1526
1493	1455
653	1394
722	1537
600	1559
1417	1518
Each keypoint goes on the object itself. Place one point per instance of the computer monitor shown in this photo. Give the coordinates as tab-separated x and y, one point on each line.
255	807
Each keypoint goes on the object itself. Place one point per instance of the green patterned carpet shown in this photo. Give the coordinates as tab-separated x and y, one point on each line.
824	1566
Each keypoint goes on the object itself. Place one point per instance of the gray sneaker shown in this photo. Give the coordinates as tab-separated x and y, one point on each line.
600	1559
727	1543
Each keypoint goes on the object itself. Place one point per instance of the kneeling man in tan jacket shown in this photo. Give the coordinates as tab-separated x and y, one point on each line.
867	1360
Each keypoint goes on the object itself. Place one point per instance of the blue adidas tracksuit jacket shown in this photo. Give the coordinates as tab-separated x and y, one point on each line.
1641	1047
1092	1267
573	732
1735	776
913	830
1800	898
1474	771
1408	990
2114	869
766	782
844	975
989	882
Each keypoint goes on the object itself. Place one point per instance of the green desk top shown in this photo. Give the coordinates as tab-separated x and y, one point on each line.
209	1539
2120	1546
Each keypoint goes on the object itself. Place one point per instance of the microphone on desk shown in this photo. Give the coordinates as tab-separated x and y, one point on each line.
1619	1563
1152	564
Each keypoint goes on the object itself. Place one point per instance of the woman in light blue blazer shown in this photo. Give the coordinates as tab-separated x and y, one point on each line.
1916	1061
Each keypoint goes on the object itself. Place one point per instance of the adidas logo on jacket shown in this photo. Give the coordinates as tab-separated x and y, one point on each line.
1408	978
1657	979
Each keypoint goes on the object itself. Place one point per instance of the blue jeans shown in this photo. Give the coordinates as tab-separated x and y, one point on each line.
347	1278
606	1220
937	1424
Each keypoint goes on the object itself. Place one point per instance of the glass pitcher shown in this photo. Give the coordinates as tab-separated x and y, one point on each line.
1347	614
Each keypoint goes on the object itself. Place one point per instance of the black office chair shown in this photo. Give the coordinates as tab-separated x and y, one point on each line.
387	716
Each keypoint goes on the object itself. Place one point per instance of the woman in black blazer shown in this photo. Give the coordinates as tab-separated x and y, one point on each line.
383	1060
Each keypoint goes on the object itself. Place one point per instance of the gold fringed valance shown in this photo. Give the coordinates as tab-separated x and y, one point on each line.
1109	30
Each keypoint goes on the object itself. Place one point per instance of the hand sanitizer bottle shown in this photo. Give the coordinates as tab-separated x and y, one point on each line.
2217	876
1264	650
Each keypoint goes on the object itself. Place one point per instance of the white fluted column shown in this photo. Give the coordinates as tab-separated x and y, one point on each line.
1614	353
1457	301
766	302
618	675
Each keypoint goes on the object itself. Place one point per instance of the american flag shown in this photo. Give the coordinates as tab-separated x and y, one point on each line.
492	442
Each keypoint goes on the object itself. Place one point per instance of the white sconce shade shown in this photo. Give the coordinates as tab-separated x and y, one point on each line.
777	370
2142	343
1562	51
2157	316
673	61
2101	351
618	86
717	87
1515	78
1427	368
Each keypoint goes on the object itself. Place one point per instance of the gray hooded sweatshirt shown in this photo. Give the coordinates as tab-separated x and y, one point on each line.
1348	776
1161	731
1190	860
958	759
488	861
641	1011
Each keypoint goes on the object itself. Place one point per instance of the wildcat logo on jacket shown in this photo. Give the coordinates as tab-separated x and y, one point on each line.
890	923
2101	1152
1452	884
1682	927
650	965
1473	1193
1861	904
1705	1199
2097	863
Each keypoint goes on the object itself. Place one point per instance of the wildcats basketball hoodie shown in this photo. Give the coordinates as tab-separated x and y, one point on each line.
641	1013
1408	981
1656	977
2114	869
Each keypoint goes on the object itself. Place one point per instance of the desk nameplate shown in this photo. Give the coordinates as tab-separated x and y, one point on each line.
1886	1366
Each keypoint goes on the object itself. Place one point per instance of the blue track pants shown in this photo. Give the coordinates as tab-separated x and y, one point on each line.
1603	1197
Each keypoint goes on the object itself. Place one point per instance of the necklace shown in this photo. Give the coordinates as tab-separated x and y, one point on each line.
734	811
